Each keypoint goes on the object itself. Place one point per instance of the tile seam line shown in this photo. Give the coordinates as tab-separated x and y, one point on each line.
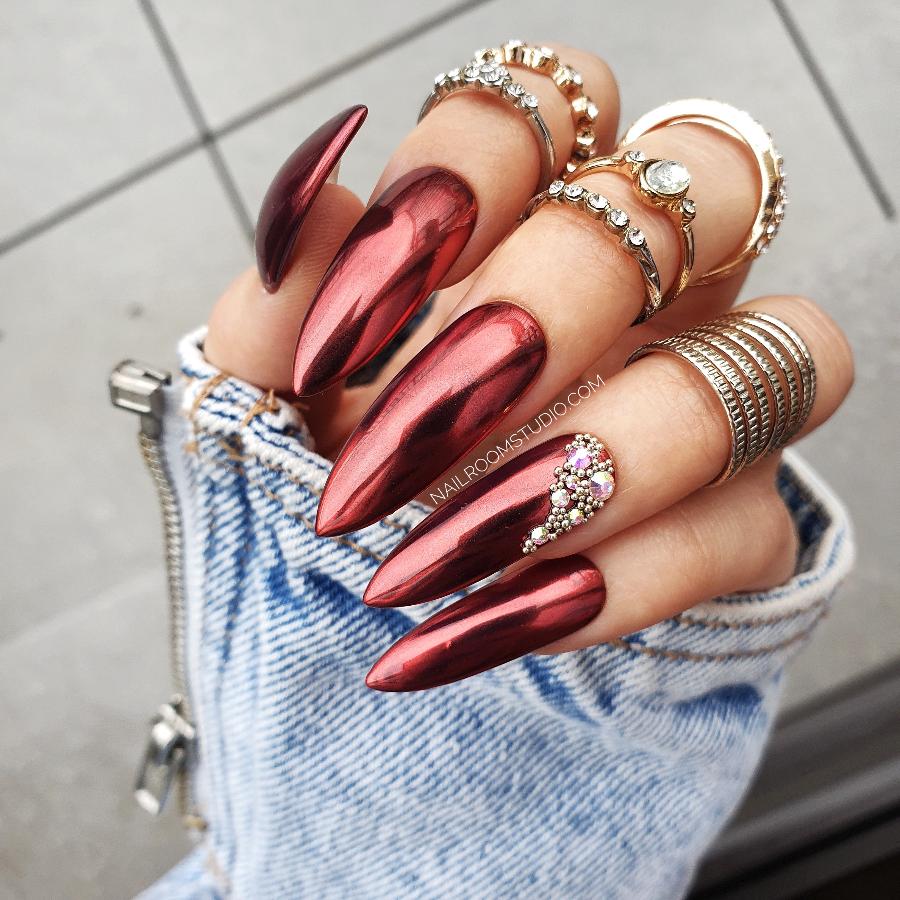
836	110
137	174
195	111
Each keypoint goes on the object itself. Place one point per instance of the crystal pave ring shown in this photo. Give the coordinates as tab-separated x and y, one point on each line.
569	82
495	79
663	183
631	239
582	485
743	127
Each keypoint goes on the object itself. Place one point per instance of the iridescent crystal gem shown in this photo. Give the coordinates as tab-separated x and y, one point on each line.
572	481
579	458
602	485
576	516
667	177
540	535
561	499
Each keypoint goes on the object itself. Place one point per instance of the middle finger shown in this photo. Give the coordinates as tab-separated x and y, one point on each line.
554	298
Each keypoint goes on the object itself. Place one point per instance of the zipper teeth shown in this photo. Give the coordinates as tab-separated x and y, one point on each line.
173	535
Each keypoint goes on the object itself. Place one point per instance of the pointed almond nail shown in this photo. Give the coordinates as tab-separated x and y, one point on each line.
293	190
394	258
449	397
487	526
509	618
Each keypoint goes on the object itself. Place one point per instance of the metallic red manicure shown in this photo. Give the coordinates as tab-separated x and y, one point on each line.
293	190
505	620
473	535
440	406
389	265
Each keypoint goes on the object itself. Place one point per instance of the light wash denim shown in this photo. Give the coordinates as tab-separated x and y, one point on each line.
602	773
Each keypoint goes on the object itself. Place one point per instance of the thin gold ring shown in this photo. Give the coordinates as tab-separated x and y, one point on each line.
742	126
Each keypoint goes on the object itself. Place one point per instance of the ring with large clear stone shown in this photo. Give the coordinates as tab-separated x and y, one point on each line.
663	183
494	78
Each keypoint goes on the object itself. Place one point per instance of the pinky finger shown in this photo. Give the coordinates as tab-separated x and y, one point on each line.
738	537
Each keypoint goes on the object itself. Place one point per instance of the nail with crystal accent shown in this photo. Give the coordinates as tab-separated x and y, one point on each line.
509	618
449	397
491	523
293	190
394	258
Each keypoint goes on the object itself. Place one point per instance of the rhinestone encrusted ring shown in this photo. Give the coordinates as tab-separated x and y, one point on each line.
494	78
584	482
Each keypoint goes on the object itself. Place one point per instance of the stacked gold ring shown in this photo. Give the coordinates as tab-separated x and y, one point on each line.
662	183
753	361
545	61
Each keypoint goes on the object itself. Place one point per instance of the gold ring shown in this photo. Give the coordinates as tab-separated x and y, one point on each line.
631	239
740	125
545	61
663	183
496	80
751	360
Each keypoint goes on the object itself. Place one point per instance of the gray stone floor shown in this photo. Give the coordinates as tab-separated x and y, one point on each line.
126	208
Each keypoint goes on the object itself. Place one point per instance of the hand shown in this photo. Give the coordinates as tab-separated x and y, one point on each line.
529	319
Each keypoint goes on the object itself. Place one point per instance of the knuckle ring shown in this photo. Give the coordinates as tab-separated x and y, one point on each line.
752	360
740	125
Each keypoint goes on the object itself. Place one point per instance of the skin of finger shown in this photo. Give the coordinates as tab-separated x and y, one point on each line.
665	428
570	274
491	146
738	538
252	334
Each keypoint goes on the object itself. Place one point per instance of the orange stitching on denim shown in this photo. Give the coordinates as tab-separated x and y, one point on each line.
688	619
206	390
688	656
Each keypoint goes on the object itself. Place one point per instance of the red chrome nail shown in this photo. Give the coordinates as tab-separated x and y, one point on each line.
505	620
389	265
473	535
293	190
439	406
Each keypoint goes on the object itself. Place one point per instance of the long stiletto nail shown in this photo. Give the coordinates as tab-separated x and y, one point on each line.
507	619
293	190
534	498
389	265
441	405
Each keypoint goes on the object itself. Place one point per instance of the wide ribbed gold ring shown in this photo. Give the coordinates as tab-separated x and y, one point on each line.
751	360
662	183
742	126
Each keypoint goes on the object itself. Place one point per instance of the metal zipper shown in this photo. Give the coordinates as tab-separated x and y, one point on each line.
171	743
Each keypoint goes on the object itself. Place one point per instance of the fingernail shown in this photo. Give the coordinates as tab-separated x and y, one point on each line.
538	496
293	190
389	265
507	619
439	406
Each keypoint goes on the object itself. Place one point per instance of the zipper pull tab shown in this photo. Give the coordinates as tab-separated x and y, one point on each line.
169	748
137	387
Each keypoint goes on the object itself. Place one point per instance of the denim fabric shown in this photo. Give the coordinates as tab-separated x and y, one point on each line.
602	773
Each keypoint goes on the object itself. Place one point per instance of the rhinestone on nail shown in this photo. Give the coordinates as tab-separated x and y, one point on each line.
584	482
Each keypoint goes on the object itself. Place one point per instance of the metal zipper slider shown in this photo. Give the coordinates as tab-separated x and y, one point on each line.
138	387
169	748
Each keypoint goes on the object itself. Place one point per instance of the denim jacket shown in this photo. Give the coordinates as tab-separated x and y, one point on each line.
601	773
